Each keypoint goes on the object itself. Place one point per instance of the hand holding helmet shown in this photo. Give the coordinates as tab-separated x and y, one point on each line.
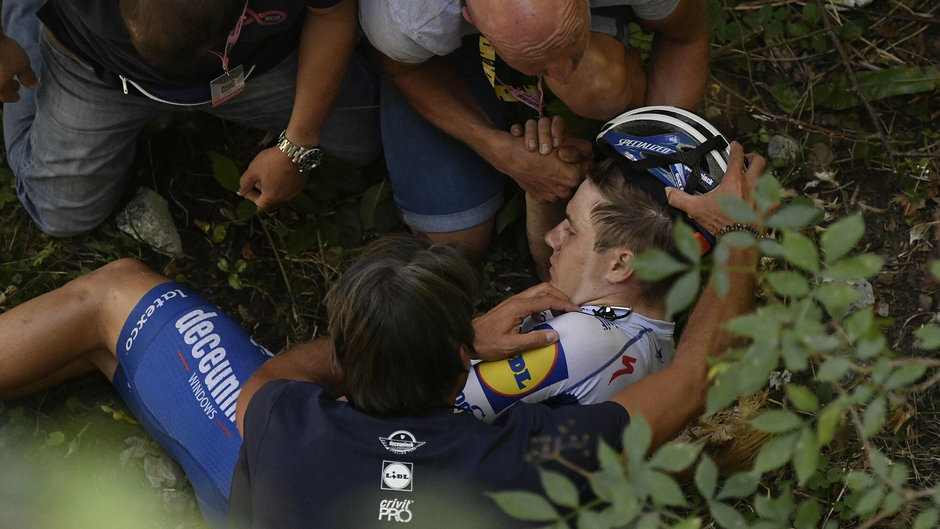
664	148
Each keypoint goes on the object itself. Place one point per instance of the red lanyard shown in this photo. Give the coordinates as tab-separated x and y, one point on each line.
232	38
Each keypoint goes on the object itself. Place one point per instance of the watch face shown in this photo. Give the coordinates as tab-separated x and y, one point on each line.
309	159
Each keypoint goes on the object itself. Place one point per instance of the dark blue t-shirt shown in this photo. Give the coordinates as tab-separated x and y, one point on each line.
95	32
308	460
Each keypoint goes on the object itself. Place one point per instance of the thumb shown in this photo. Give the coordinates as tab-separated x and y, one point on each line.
677	198
28	78
535	339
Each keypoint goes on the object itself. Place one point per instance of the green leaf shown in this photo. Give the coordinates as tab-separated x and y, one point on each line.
723	390
370	203
874	416
800	251
892	502
808	514
836	298
664	490
610	461
683	293
841	236
225	171
935	270
787	97
827	422
675	456
755	326
833	369
706	477
738	209
636	438
55	439
726	516
689	523
559	488
928	337
888	82
866	503
795	215
768	193
739	485
770	248
511	213
654	264
927	519
776	421
858	480
775	453
811	13
805	455
855	267
525	506
802	398
686	242
776	509
587	519
245	210
905	375
788	283
859	323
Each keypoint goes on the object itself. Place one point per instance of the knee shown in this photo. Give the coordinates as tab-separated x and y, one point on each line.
60	222
111	274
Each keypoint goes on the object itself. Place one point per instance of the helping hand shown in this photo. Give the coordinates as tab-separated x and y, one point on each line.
271	179
545	177
497	332
706	209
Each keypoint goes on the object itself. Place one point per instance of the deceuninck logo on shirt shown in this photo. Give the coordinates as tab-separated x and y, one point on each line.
507	381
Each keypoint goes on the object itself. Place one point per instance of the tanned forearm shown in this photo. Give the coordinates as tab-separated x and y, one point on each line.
670	398
326	45
307	362
678	66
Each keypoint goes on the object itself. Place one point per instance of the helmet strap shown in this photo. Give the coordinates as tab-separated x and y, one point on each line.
691	159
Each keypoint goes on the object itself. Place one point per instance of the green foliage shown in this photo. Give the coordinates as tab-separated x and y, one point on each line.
846	383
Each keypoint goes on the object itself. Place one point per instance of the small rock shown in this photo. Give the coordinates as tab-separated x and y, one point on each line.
882	309
147	219
782	150
925	302
866	294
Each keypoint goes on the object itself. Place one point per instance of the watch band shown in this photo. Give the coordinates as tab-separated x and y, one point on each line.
305	158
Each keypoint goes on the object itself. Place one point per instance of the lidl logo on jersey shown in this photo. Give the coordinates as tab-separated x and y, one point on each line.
507	381
396	475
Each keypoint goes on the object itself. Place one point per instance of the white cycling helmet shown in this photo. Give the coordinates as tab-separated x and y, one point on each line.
660	146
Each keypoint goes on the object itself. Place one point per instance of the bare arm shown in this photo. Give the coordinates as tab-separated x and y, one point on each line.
436	92
308	362
327	42
678	65
670	398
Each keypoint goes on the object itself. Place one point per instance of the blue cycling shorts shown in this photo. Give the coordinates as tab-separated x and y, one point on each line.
182	363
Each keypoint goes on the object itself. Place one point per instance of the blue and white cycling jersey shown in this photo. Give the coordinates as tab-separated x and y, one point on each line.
593	360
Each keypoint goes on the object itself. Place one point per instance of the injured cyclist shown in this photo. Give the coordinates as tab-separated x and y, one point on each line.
180	363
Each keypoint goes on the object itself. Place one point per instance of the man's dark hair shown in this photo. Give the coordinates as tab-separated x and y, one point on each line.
173	34
629	217
399	317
